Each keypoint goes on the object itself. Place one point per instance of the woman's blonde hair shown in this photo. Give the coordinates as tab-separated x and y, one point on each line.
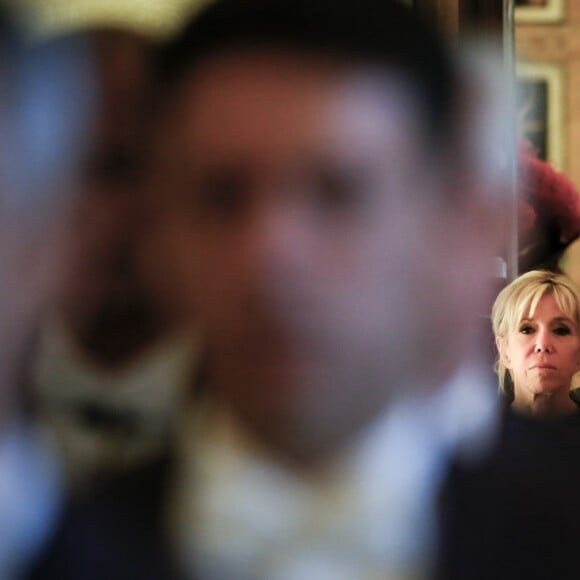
521	298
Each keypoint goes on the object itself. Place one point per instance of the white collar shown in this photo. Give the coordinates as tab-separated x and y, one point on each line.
240	514
153	382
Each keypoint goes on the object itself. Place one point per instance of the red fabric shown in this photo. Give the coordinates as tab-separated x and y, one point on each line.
549	212
548	199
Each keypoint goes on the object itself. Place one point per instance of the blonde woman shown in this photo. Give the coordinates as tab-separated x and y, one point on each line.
536	322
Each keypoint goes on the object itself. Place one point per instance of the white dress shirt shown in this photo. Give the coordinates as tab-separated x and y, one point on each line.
238	513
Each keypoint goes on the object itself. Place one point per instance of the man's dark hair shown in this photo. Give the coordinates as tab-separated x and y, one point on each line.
375	32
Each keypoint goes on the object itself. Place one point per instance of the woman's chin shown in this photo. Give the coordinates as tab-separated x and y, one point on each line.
549	389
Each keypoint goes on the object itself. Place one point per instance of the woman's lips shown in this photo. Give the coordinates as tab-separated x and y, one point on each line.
543	366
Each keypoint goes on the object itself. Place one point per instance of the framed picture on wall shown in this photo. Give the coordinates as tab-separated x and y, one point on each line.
540	102
539	11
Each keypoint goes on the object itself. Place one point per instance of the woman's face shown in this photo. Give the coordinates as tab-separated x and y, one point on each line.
543	351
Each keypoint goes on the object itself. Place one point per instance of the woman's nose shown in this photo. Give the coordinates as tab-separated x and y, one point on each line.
543	343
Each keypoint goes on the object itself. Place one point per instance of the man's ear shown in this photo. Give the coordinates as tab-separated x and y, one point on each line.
501	344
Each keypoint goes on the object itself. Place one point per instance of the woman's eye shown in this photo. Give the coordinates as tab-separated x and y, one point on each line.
526	329
562	331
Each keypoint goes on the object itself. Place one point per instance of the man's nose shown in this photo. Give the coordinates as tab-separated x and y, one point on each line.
280	241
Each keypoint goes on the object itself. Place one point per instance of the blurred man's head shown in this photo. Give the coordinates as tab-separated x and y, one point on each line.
105	303
45	94
318	209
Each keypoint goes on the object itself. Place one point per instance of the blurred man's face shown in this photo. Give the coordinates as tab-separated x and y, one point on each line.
102	269
306	226
104	301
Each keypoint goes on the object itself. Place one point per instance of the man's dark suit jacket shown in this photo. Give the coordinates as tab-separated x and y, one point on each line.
512	517
116	534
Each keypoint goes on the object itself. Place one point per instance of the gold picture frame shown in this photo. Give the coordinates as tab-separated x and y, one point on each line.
540	98
539	11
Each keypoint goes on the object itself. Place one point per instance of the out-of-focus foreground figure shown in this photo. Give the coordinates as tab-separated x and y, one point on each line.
111	368
45	97
316	188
